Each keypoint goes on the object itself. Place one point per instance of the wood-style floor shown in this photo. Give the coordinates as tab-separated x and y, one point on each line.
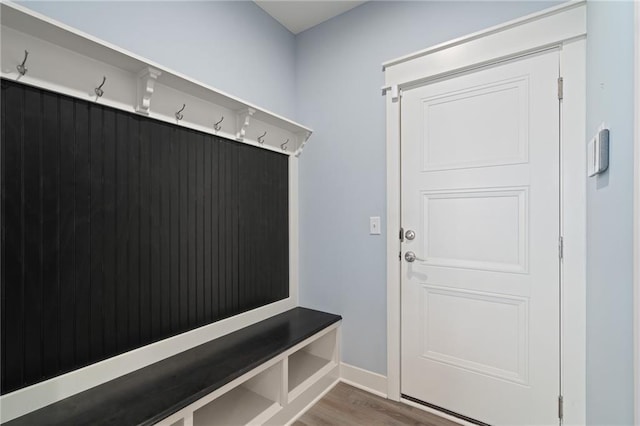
345	405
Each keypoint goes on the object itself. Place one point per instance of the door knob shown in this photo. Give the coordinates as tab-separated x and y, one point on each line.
410	234
411	257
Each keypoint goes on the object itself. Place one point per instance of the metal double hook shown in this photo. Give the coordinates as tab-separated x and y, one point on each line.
21	68
179	115
217	125
98	90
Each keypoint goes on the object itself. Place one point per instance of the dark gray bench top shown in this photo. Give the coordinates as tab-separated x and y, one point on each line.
152	393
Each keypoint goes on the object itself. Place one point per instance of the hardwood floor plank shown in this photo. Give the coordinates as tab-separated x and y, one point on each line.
346	405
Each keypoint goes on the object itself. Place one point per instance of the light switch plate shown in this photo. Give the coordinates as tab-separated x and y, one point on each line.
374	225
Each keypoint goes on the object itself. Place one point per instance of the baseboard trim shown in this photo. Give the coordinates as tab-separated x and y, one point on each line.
376	384
363	379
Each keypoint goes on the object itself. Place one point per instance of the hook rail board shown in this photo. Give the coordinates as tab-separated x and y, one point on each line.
41	52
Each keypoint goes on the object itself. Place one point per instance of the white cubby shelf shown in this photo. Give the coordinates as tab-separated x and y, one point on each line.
309	363
274	393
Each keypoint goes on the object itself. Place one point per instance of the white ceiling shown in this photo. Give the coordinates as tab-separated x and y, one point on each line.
300	15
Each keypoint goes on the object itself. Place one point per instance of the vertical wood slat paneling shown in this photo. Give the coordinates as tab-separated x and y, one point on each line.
199	231
67	160
109	180
174	244
3	306
118	231
145	223
32	232
206	227
133	234
12	241
82	221
223	188
165	229
233	235
191	225
215	229
96	232
184	230
50	233
121	232
155	292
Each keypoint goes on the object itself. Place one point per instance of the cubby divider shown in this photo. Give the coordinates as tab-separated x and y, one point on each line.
311	362
251	402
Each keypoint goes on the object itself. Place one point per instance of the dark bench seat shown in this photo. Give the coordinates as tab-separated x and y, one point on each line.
153	393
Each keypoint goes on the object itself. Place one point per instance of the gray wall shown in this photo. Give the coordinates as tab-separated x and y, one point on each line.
342	170
610	216
232	45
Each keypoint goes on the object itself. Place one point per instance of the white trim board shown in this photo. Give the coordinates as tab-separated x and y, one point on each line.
364	379
536	16
68	61
564	28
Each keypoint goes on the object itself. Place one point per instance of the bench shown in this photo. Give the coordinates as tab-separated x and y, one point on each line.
251	376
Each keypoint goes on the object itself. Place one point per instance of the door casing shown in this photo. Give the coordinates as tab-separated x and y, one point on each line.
563	27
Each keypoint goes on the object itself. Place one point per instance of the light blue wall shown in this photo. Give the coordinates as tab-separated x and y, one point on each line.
609	216
329	78
232	45
342	170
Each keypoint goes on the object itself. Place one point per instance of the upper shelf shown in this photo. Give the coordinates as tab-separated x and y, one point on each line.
68	61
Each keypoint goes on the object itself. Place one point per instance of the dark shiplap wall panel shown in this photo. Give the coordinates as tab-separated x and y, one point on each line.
119	231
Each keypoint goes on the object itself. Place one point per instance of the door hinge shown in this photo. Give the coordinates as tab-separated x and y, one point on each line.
394	91
560	88
402	235
560	407
561	248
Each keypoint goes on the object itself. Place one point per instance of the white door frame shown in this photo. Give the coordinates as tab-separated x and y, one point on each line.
562	27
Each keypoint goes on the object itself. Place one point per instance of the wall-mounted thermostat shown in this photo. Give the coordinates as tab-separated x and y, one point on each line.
598	153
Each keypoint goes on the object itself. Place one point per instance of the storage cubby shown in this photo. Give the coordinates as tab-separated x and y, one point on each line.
311	362
274	395
250	403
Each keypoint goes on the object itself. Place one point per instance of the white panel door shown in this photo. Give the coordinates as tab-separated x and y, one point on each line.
480	189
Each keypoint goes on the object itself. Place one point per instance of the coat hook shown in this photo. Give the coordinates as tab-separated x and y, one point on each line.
284	145
21	68
99	91
179	116
261	138
217	125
